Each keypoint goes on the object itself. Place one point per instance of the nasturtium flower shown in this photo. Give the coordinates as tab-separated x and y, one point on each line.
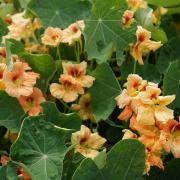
86	142
2	54
2	69
72	82
128	19
125	114
135	84
78	72
68	89
73	32
31	103
20	80
143	99
52	36
123	99
128	134
156	16
136	4
84	107
20	27
170	137
143	45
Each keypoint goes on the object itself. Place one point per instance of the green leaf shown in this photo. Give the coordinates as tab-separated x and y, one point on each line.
147	71
144	18
6	8
100	159
171	83
125	161
40	149
44	65
71	163
104	29
60	13
11	112
24	3
8	172
3	30
164	3
87	171
103	92
168	54
12	47
69	121
171	172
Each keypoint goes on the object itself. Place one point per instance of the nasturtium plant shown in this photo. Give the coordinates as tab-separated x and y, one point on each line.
104	29
89	89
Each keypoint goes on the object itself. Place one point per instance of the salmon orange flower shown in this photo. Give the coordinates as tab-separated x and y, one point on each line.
144	45
170	137
78	72
128	19
2	54
52	36
68	90
136	4
128	134
2	69
143	99
87	143
73	32
135	84
20	80
20	27
32	103
84	107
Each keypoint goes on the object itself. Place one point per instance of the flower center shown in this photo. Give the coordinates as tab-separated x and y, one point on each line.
75	29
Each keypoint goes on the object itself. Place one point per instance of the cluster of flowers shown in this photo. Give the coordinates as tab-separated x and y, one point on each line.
152	121
55	36
19	82
21	28
73	81
143	44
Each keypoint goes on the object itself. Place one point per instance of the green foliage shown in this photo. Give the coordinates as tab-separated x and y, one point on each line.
125	161
69	121
8	172
104	30
164	3
12	47
3	30
11	112
40	148
168	54
172	82
103	92
145	71
59	13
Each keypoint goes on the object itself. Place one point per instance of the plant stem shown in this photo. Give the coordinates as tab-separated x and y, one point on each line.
34	38
134	67
65	105
77	49
58	53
